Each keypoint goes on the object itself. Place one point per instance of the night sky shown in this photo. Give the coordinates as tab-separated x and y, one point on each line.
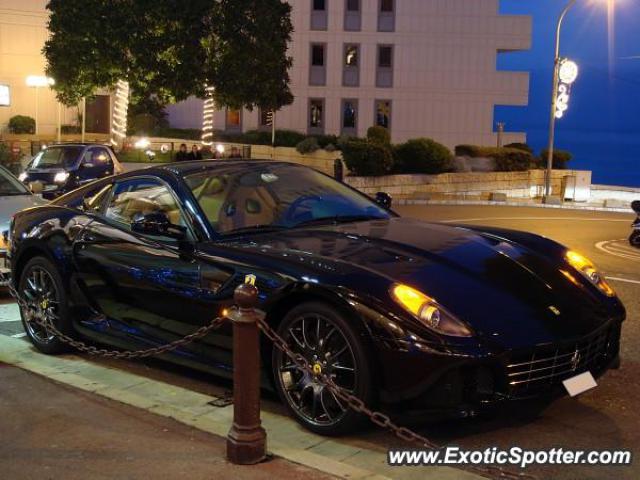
602	126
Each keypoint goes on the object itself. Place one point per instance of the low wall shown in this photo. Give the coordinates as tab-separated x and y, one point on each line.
611	194
321	160
528	184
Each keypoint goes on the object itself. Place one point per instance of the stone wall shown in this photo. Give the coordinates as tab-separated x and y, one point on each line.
527	184
321	160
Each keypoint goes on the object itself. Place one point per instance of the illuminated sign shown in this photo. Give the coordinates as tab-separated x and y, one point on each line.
5	96
567	74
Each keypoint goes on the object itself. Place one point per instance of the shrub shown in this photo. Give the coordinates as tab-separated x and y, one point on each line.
181	133
512	160
560	159
520	146
379	135
308	145
324	140
287	138
367	159
422	155
331	148
22	124
506	159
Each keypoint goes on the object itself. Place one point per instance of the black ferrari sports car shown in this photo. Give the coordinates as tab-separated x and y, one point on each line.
413	316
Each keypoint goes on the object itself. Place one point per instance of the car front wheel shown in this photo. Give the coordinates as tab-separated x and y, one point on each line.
333	347
44	300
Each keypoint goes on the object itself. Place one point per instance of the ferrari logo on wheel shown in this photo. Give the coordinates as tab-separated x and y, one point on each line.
317	369
44	304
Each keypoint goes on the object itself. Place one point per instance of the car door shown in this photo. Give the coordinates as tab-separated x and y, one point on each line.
96	163
149	290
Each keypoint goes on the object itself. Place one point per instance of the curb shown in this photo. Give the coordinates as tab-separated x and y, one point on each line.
410	202
286	439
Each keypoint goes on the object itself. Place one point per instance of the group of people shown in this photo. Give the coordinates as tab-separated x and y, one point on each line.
184	155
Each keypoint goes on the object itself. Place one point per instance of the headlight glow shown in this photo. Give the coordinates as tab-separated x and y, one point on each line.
428	311
61	177
23	176
588	270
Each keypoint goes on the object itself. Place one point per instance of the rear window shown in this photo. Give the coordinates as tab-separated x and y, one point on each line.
57	157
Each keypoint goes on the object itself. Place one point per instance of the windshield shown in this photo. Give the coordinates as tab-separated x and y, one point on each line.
10	185
56	157
277	197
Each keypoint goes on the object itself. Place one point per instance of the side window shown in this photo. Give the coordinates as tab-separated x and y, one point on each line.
97	156
133	199
92	202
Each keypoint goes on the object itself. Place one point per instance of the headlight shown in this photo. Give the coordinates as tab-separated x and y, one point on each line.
23	176
429	312
61	177
589	271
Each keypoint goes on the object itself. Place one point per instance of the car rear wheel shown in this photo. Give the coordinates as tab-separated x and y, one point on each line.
42	290
333	347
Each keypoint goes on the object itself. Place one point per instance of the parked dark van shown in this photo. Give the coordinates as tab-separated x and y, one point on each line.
62	168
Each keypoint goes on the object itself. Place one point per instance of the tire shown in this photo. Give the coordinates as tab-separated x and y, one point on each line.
634	239
342	347
40	281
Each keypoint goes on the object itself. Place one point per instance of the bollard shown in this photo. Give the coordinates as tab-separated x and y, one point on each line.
246	441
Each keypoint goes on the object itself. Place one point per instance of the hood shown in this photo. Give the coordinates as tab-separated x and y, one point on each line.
506	292
11	204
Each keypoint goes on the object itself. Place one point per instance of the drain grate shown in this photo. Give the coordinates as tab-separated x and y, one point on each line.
221	401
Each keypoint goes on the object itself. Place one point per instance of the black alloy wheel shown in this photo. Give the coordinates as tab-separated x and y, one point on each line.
42	290
332	347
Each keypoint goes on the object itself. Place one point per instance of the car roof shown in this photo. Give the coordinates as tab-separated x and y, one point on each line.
187	168
78	144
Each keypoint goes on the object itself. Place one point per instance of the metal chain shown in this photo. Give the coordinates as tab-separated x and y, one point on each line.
117	354
356	404
378	418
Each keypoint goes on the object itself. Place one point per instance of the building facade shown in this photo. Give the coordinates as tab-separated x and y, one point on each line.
23	33
419	67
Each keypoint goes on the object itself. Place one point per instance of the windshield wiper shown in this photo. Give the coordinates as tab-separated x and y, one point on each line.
338	219
255	229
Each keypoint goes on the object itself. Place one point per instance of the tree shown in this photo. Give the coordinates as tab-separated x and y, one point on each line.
169	51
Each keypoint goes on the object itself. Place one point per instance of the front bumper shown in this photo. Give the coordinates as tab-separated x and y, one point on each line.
455	387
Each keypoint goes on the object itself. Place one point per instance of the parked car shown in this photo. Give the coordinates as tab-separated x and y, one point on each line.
63	168
413	316
14	196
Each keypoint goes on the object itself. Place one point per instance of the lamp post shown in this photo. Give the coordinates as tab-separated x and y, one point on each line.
555	93
37	81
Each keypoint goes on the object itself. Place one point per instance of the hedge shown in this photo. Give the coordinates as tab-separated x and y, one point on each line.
22	124
379	135
367	159
422	155
506	159
560	159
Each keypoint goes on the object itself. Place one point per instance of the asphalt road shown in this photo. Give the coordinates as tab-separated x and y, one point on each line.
604	418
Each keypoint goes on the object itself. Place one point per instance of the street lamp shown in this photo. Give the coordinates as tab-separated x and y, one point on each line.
563	70
38	81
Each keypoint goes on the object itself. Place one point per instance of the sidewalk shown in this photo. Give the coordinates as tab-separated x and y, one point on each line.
51	431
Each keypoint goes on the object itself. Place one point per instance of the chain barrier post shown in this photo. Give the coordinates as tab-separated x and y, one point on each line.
247	440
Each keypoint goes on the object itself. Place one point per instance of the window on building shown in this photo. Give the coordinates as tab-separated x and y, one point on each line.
385	56
384	73
349	116
266	117
317	55
386	16
352	16
383	113
319	16
318	71
316	115
233	119
351	55
5	96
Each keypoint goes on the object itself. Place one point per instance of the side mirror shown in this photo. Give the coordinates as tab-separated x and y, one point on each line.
384	200
158	225
36	187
